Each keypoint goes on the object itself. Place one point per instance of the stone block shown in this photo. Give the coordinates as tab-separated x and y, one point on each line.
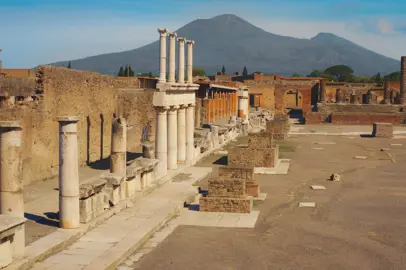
260	140
92	207
91	188
114	195
236	171
382	130
229	205
148	150
113	179
267	157
230	188
252	189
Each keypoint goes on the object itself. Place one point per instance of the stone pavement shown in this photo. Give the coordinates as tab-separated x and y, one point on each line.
344	130
107	244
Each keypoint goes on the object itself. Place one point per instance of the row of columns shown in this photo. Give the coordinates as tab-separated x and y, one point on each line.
163	33
221	105
174	142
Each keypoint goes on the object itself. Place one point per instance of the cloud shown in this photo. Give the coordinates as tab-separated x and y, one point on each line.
385	27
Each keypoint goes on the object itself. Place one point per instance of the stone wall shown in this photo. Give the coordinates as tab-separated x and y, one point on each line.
230	188
91	96
361	108
348	118
312	118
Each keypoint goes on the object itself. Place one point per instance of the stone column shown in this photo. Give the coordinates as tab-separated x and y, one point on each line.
118	157
198	112
161	138
190	61
403	80
11	178
181	134
338	95
181	75
162	54
386	94
172	52
369	97
173	138
352	99
190	129
68	173
322	91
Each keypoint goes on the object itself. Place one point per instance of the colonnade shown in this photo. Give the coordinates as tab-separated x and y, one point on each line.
221	105
175	102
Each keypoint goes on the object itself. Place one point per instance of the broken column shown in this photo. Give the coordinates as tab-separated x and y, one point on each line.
190	128
386	92
181	72
11	180
68	173
161	138
172	49
322	91
173	138
162	54
190	61
181	134
403	80
118	157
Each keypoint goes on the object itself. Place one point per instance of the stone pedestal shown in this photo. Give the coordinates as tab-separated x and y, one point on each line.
118	158
382	130
173	138
181	135
69	217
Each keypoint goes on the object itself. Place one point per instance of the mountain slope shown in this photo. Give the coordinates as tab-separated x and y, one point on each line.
233	42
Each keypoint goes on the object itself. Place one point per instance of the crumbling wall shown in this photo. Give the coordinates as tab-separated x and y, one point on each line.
360	108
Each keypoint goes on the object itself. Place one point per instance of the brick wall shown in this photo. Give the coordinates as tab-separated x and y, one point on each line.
364	118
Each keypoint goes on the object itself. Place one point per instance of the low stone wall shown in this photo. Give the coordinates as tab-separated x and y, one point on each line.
230	188
312	118
358	108
364	118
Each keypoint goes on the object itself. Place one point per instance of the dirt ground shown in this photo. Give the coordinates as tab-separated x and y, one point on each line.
358	223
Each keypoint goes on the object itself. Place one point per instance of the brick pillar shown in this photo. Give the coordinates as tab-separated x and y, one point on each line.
386	89
403	80
323	91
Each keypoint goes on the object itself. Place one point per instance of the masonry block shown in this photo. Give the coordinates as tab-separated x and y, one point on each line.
231	188
236	171
252	189
267	157
230	205
383	130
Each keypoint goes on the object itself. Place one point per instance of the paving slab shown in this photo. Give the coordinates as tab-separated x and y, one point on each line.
317	187
307	204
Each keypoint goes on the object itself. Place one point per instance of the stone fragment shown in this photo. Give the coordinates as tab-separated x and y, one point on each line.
382	130
317	187
360	157
317	148
113	179
396	144
335	177
307	204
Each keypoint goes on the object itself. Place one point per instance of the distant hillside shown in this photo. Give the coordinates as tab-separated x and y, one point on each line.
233	42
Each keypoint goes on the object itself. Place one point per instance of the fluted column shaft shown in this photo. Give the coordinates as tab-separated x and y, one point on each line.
172	52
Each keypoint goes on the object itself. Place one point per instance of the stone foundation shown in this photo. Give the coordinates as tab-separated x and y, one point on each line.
279	126
382	130
267	157
230	188
231	205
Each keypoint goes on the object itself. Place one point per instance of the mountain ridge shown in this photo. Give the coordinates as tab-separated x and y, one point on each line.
230	41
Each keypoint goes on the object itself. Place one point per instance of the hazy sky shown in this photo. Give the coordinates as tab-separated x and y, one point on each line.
44	31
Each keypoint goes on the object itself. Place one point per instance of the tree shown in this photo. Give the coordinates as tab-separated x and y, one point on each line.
296	75
223	70
121	72
245	72
126	71
320	74
341	73
130	72
393	77
69	65
198	72
150	74
377	79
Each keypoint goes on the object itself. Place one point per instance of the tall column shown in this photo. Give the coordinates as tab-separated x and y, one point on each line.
181	134
403	80
386	96
172	50
161	138
68	173
162	54
322	91
181	71
338	95
173	138
190	61
198	112
118	157
190	128
11	178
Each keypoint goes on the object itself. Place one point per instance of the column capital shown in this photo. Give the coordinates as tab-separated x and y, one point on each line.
161	109
172	34
70	119
173	108
190	42
181	39
191	105
182	106
163	32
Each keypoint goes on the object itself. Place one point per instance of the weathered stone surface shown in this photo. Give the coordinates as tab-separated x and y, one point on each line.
6	255
88	189
112	179
236	171
267	157
383	130
148	150
260	140
252	189
335	177
231	188
230	205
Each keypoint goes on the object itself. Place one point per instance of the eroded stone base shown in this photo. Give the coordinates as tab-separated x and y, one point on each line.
230	205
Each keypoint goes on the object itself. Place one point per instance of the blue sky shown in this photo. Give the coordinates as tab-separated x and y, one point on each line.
44	31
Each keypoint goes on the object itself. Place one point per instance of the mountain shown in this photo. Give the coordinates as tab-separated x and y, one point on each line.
233	42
